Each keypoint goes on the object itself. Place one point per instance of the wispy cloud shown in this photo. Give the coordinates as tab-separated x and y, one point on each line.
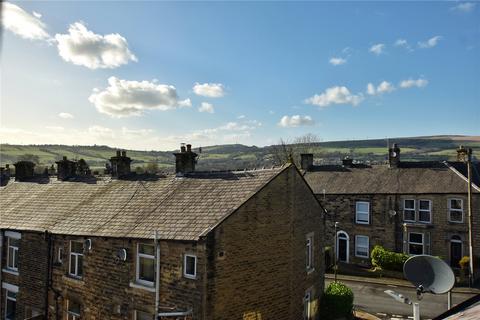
377	49
82	47
383	87
335	95
402	43
296	121
464	7
336	61
430	43
65	115
123	98
211	90
206	107
23	24
419	83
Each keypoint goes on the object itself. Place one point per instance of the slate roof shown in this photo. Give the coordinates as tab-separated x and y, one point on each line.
408	178
179	208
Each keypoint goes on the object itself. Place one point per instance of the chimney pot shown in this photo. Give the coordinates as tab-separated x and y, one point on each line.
7	166
347	162
118	153
124	153
182	149
64	158
189	148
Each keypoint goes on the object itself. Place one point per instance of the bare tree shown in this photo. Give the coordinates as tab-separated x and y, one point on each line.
290	150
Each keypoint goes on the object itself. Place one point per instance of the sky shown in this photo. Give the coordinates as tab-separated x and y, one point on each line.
152	75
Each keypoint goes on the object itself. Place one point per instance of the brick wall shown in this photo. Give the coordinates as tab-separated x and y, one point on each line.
257	257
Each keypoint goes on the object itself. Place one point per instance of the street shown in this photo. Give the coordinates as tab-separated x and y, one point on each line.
372	299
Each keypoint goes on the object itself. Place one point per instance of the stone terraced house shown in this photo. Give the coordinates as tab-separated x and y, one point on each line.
192	245
410	207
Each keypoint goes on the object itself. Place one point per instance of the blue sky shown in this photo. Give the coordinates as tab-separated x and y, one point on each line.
150	75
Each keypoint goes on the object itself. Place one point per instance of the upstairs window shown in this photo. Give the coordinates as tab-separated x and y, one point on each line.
455	210
362	249
415	243
362	212
309	252
12	253
76	259
73	310
409	210
425	211
145	264
10	305
190	266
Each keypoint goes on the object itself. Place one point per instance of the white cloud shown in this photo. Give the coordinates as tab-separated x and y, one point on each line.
371	90
464	7
55	128
36	14
335	95
206	107
430	43
242	116
296	121
22	23
65	115
211	90
337	61
84	48
123	98
101	132
383	87
401	43
419	83
377	49
132	133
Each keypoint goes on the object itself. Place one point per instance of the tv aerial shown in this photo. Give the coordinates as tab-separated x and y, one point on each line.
429	275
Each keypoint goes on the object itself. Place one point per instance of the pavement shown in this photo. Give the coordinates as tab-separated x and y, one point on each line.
370	297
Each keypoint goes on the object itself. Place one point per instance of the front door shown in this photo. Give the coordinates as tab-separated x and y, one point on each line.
455	253
342	242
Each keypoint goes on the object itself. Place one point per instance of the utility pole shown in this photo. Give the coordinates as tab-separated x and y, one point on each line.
470	216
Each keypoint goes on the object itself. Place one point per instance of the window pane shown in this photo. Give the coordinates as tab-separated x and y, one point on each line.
77	247
11	256
73	269
73	307
415	249
362	217
190	265
14	242
409	204
362	206
12	295
11	309
146	269
146	249
416	237
456	215
362	241
455	203
409	215
424	205
424	216
80	266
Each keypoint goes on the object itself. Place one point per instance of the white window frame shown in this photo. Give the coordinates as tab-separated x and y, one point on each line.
185	274
144	256
423	210
307	305
309	262
14	252
76	255
73	315
458	210
414	209
416	243
362	212
364	247
9	288
60	255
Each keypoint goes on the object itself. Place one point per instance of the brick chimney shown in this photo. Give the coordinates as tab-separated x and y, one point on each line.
306	161
82	168
120	164
66	168
185	160
24	170
4	175
394	156
347	162
464	154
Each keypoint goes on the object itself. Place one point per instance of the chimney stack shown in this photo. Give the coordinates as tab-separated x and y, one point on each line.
120	164
24	170
65	168
347	162
185	160
394	156
306	161
464	154
4	175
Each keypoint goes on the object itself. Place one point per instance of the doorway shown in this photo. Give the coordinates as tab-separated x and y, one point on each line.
342	246
455	251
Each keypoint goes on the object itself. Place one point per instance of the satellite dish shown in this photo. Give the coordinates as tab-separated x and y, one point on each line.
87	245
121	255
429	274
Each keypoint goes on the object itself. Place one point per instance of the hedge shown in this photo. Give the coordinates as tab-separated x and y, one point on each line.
388	260
337	302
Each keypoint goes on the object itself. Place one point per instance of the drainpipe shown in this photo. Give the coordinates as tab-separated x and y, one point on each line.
49	269
1	267
157	275
470	222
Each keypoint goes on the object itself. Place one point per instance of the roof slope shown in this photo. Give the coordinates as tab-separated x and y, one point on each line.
409	178
179	208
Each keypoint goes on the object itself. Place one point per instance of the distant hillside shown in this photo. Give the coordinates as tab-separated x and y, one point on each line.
237	156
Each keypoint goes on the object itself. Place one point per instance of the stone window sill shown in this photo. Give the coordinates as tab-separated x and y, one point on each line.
142	286
73	279
13	272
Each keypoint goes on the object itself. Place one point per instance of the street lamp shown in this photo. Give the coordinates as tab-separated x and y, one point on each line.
402	299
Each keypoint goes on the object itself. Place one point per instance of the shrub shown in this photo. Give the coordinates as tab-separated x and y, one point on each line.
464	262
388	260
337	302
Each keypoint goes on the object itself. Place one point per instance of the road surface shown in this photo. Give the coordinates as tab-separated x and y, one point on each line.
371	298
